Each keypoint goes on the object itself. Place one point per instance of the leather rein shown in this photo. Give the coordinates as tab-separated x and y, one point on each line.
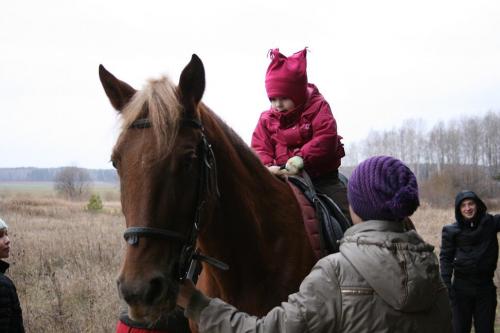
189	266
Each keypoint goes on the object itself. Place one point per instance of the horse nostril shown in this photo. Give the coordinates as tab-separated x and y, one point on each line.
130	297
156	288
127	293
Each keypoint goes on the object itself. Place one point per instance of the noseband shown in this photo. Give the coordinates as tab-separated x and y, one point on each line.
207	185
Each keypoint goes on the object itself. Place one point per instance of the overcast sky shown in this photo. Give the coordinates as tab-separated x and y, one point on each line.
378	63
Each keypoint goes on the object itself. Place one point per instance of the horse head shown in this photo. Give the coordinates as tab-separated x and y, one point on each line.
163	161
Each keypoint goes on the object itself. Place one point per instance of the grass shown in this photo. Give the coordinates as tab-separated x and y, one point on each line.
64	260
108	191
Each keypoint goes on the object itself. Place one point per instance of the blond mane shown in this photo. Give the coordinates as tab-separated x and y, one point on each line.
158	101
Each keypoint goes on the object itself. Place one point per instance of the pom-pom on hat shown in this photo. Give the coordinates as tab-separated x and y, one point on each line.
383	188
287	76
3	225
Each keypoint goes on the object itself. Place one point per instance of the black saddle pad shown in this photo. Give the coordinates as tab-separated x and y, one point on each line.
333	222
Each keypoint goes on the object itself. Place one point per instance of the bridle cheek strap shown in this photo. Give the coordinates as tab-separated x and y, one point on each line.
207	185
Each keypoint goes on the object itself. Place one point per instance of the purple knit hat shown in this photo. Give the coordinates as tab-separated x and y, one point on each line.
383	188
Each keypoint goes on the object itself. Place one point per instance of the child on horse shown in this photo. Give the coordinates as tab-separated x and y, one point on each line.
299	132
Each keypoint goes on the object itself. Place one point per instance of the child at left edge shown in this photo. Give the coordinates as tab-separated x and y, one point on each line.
11	318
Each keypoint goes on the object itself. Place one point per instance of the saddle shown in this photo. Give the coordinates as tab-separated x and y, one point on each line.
324	222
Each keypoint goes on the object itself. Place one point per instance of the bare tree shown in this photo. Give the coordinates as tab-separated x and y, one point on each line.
411	134
72	183
491	142
352	155
438	137
469	145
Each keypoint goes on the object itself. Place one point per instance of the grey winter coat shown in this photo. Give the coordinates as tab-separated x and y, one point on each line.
384	279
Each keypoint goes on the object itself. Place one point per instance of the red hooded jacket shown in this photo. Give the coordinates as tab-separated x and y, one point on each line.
308	131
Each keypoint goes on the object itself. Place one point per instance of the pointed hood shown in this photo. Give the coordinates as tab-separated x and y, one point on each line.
400	267
287	76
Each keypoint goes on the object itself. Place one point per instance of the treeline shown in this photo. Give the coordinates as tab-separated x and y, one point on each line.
460	153
49	174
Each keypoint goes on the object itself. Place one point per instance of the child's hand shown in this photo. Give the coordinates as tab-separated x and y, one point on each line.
274	169
294	165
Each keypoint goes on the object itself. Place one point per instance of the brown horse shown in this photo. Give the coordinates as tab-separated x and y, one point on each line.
187	178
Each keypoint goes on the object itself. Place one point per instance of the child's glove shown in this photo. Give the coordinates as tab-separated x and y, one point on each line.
274	169
294	165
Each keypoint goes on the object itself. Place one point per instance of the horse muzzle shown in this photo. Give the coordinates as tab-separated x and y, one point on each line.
148	296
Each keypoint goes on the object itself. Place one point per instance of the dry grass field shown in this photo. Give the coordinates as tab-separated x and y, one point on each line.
64	260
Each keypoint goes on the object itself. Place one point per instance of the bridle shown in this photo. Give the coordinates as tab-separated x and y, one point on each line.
190	256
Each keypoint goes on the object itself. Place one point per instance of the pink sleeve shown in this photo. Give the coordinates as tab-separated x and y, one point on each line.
323	144
261	143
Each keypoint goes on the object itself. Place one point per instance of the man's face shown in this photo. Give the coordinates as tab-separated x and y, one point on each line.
468	208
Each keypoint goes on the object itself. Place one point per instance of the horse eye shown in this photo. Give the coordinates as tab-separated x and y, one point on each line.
188	160
114	163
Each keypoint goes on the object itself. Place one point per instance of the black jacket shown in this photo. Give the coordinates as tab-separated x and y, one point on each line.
469	248
11	319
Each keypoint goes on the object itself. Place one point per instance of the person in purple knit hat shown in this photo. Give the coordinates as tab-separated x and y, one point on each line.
384	279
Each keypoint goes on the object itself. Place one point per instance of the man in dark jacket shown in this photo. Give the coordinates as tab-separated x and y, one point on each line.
468	259
11	319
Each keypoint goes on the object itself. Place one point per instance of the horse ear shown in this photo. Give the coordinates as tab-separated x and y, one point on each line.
192	82
119	92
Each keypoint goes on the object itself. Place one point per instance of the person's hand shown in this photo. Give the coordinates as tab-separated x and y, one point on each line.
186	290
294	165
274	169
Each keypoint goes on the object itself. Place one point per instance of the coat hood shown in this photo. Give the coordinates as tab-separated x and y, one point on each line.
461	196
287	76
400	267
290	117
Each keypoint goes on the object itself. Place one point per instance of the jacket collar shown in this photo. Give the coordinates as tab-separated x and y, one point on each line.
375	225
288	118
291	117
3	266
